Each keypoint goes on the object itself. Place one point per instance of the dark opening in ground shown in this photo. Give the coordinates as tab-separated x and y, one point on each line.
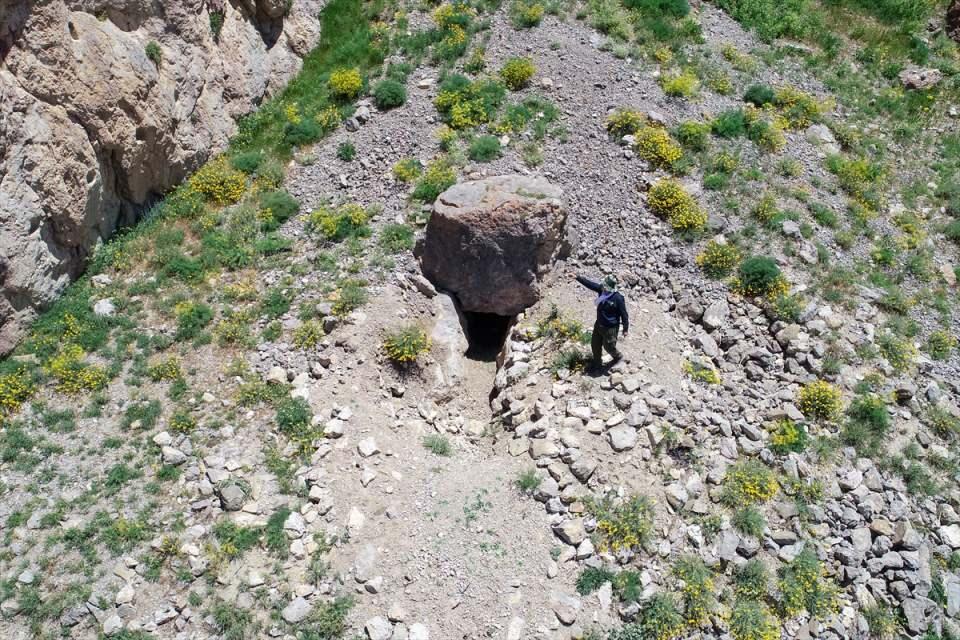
486	333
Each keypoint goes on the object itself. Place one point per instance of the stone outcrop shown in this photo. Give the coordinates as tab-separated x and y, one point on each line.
490	241
93	131
953	20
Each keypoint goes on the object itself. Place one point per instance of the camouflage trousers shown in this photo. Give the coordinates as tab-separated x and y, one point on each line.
604	338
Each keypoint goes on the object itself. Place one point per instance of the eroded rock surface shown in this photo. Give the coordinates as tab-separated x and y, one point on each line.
93	132
490	241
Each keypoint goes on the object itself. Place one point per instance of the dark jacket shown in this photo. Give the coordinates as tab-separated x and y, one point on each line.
612	311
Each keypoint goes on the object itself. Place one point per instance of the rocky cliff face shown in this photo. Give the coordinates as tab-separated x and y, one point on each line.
93	131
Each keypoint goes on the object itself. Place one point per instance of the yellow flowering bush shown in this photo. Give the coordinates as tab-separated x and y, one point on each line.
559	327
655	145
328	118
701	372
819	400
663	55
73	374
766	209
465	104
182	422
338	223
738	60
15	389
516	73
752	620
787	436
680	85
405	345
308	335
623	122
718	259
218	182
799	108
625	524
438	177
696	590
805	588
168	369
759	276
345	83
669	200
526	14
748	482
407	170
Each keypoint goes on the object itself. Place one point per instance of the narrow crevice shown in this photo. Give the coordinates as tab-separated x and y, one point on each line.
486	334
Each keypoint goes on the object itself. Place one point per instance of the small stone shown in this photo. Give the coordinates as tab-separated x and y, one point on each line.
297	611
378	628
622	438
104	308
112	625
565	606
571	531
396	613
367	447
418	631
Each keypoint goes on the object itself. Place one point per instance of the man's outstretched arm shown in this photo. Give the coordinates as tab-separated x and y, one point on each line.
590	284
624	318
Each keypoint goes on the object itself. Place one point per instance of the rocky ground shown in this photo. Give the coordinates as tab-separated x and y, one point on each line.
458	499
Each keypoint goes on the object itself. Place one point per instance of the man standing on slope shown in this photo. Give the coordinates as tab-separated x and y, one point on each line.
611	311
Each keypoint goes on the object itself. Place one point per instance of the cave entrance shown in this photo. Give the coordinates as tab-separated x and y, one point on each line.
486	333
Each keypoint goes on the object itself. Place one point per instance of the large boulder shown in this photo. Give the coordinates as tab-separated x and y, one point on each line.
953	20
490	241
93	132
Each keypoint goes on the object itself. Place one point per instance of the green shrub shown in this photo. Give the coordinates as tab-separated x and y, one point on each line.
805	588
656	8
526	14
694	135
730	124
516	73
396	238
749	521
697	589
759	95
437	444
351	295
659	619
216	24
346	151
882	622
867	426
337	224
622	524
760	276
592	578
439	176
282	207
247	161
407	169
900	353
405	345
623	122
747	483
942	422
751	580
154	53
787	436
308	335
293	416
952	231
304	132
484	148
464	104
752	620
191	320
528	481
389	94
